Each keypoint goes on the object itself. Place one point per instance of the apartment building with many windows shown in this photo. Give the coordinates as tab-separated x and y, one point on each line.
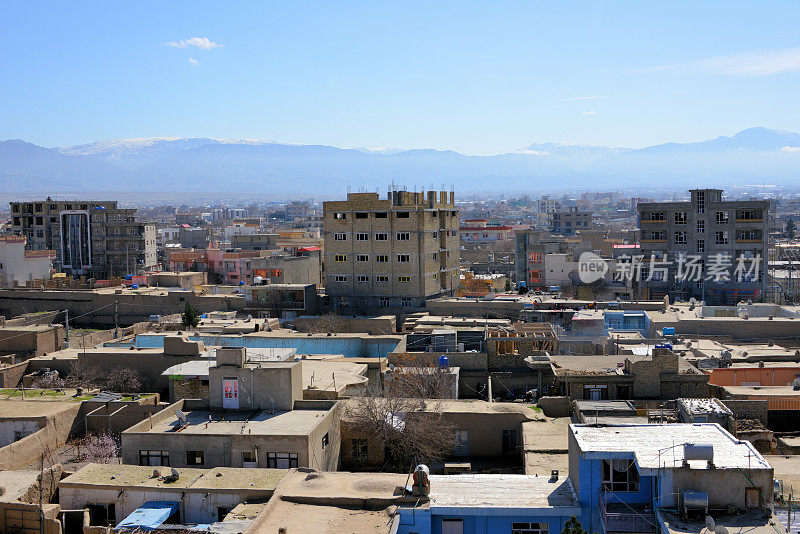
704	230
392	252
94	238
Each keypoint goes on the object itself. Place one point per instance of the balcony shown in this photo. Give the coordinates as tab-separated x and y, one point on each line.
653	240
653	221
745	221
749	240
627	518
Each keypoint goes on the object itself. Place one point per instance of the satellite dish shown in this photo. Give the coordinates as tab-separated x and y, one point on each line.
720	530
182	417
175	473
711	525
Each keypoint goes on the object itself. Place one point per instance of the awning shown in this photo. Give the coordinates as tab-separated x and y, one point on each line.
150	515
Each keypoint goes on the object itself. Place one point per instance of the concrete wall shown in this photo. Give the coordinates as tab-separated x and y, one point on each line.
260	388
98	308
55	431
32	341
555	406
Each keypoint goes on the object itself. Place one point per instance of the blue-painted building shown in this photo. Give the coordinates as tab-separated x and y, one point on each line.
628	477
630	321
484	504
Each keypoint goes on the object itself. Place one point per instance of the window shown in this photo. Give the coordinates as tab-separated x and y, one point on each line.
383	302
722	217
340	237
195	458
403	258
620	475
362	257
360	450
701	246
382	258
406	302
680	238
403	236
153	457
343	301
701	226
340	258
338	215
402	215
510	442
381	278
362	278
381	215
325	440
361	236
381	236
281	460
681	217
530	528
248	457
435	235
701	202
748	235
102	515
435	256
721	238
362	215
340	278
452	526
656	216
403	278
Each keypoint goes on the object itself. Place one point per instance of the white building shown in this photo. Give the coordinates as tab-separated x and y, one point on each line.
18	265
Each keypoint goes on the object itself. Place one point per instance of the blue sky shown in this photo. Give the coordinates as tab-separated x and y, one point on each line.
476	77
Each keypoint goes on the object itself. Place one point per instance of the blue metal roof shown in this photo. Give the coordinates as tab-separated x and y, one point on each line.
150	515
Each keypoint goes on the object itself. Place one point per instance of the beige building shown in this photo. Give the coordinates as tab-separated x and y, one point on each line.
392	252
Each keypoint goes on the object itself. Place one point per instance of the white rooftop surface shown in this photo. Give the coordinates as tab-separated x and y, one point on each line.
704	406
501	491
199	368
655	446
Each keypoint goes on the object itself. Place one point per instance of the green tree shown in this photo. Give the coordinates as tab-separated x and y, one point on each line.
573	526
790	229
190	316
508	285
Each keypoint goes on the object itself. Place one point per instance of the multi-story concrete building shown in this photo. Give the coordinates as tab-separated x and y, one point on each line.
397	251
570	221
480	231
97	239
704	228
532	247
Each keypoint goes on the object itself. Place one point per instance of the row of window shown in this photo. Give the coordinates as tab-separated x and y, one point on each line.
379	258
720	237
384	236
277	460
721	217
383	302
342	215
341	278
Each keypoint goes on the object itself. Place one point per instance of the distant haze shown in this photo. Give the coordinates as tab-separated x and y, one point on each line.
756	155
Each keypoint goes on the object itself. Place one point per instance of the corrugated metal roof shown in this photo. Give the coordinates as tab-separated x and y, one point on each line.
150	515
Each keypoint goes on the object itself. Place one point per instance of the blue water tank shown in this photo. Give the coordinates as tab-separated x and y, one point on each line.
444	362
241	282
128	277
135	286
669	330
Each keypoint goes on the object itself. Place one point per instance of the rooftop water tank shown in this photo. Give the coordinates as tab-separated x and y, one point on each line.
444	362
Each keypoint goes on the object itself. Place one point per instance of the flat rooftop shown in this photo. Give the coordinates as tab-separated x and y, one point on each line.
762	391
654	446
748	523
322	502
280	423
501	491
135	476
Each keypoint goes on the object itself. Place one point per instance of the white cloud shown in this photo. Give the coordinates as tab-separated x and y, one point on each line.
579	98
193	61
791	149
591	112
203	43
756	63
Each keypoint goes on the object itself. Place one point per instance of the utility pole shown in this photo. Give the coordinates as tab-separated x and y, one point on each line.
66	323
116	318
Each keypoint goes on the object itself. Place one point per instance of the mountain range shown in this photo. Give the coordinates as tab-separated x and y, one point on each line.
752	156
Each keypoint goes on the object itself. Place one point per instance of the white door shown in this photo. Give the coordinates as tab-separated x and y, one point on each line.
230	393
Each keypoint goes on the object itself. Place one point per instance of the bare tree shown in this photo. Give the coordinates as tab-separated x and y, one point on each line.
98	448
403	422
49	380
117	379
329	322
